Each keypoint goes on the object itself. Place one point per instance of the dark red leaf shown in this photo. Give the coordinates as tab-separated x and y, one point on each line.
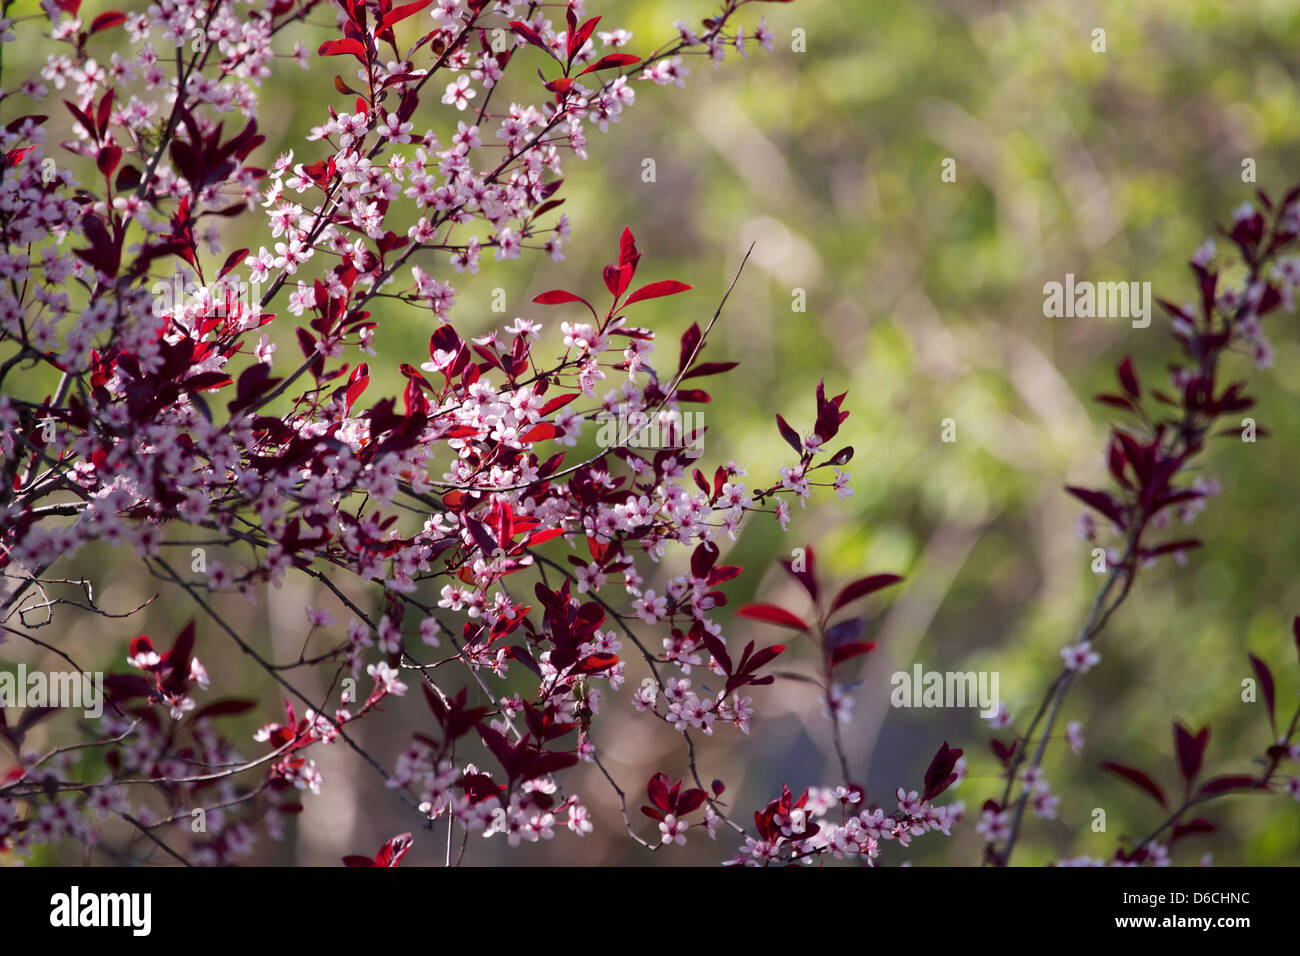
690	342
862	587
559	297
548	762
657	290
611	60
1190	750
1185	545
1191	828
531	35
594	663
540	537
772	614
108	158
543	431
806	575
1128	379
393	851
1097	499
709	368
1266	685
106	20
939	776
657	791
850	650
398	14
1137	777
790	435
558	402
232	260
704	556
689	802
627	251
337	47
1224	784
103	111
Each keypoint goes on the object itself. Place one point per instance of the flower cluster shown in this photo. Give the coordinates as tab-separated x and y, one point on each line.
173	419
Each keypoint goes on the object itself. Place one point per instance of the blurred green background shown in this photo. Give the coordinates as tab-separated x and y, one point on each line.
924	300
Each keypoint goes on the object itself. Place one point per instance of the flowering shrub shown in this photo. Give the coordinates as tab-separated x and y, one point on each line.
1148	464
482	547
